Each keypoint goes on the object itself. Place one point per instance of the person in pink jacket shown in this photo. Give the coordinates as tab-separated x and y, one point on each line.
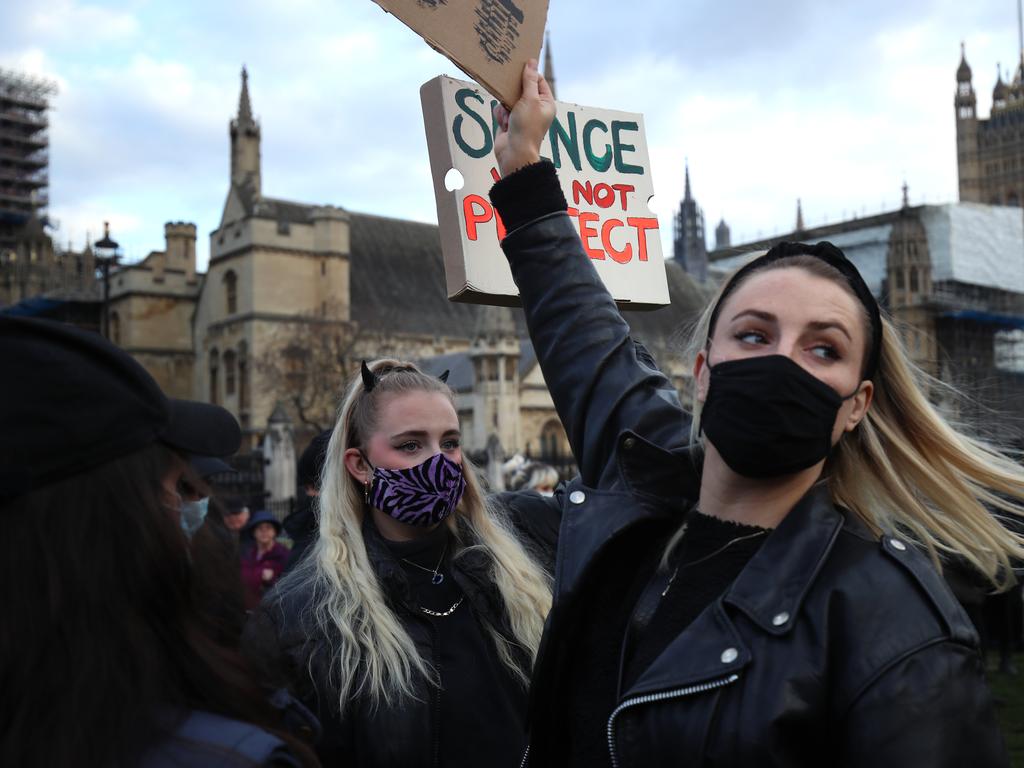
263	559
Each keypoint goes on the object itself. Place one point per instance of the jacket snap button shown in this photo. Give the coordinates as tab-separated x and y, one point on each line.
577	497
898	545
729	655
629	443
780	618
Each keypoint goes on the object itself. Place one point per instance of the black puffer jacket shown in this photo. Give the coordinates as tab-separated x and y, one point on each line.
286	647
832	648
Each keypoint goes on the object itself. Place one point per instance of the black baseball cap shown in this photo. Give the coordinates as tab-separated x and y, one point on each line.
70	401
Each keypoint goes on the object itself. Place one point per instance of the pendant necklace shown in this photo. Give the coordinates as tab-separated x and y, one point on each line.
436	576
708	557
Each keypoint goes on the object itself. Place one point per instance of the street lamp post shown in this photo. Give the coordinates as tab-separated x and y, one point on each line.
108	253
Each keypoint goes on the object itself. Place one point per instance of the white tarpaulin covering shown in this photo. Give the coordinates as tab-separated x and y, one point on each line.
968	242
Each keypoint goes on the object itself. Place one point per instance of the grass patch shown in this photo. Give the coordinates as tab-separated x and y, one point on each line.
1009	693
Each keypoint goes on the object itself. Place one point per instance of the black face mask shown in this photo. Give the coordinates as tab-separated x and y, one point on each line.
768	417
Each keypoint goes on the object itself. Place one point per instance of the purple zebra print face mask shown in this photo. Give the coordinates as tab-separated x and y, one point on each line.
422	495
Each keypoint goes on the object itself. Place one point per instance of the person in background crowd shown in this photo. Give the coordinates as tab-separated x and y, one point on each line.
533	476
105	657
263	559
758	584
412	626
301	525
215	552
236	517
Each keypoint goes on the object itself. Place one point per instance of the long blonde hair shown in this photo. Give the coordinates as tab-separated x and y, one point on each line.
906	469
372	657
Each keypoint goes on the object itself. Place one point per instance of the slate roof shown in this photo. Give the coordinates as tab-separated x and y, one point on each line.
459	367
398	286
397	280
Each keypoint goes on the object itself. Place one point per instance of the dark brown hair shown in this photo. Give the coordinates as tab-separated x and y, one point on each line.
104	646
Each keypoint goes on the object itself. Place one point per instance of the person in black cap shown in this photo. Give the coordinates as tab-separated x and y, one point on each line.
758	584
106	657
301	525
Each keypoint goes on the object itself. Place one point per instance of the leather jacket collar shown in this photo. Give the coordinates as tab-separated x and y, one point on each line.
769	590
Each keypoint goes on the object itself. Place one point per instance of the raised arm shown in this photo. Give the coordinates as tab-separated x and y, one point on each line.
601	381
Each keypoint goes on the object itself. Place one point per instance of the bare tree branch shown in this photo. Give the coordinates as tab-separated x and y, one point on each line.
307	364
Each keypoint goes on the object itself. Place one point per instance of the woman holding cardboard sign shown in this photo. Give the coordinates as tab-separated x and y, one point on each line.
412	626
769	594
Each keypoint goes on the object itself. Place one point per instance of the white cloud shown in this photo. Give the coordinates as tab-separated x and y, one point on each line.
68	22
769	103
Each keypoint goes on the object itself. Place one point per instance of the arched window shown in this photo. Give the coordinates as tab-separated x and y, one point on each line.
900	280
214	388
913	280
115	327
551	439
229	373
231	291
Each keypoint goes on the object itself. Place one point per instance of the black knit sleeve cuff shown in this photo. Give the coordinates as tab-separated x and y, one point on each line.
527	194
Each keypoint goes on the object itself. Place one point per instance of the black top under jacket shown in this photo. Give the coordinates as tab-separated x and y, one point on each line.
476	690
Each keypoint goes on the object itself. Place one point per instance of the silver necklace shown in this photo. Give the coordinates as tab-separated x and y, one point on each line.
718	551
442	614
437	577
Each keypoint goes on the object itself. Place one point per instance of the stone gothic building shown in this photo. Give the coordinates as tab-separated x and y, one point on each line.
297	294
990	152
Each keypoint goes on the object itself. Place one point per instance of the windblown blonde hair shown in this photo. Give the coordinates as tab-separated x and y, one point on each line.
906	469
372	656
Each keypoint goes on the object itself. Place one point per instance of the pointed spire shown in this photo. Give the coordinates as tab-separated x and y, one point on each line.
244	105
963	72
799	216
549	67
906	194
687	194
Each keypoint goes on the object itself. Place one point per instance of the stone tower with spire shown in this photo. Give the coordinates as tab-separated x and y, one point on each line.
907	290
966	106
689	248
278	269
245	142
989	149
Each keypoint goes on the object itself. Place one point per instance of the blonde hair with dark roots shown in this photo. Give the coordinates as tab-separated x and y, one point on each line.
372	656
906	468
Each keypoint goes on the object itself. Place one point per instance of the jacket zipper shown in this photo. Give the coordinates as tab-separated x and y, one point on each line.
653	697
526	757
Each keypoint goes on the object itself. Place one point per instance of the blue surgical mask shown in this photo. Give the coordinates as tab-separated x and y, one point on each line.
193	513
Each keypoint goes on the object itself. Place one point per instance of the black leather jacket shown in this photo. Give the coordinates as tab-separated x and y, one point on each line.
832	648
285	646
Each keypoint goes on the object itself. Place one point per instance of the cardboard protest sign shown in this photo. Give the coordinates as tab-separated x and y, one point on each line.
489	40
602	162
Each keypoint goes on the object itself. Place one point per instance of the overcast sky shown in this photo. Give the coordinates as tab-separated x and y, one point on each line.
769	101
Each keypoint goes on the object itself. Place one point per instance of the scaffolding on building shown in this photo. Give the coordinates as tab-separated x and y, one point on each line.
24	150
980	338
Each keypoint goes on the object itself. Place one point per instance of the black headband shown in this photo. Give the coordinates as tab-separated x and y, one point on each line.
836	259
